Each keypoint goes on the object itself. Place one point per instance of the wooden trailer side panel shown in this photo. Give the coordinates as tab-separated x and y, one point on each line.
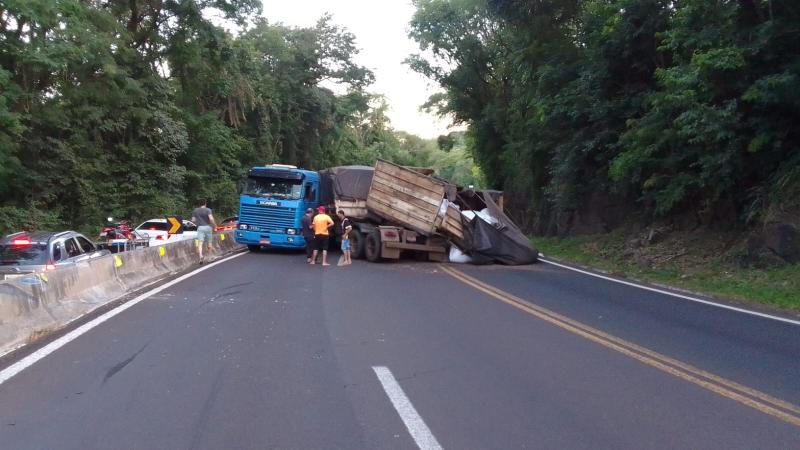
405	197
354	209
452	227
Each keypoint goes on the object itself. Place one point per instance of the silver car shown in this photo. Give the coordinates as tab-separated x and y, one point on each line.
23	253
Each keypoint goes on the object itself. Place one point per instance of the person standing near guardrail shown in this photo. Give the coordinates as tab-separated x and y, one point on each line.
308	232
203	217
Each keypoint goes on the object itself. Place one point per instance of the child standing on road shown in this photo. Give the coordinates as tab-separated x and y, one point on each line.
347	227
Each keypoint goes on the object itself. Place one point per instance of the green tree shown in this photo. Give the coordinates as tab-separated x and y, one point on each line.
579	107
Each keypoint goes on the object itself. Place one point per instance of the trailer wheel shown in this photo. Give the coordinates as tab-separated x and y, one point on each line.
372	246
357	244
253	247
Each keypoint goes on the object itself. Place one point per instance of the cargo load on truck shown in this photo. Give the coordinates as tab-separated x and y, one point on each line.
346	188
407	197
491	236
433	208
397	209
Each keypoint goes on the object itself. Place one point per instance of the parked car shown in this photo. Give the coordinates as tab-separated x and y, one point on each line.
120	237
157	231
228	224
22	253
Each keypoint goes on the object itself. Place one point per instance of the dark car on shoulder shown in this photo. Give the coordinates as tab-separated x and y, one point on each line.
23	253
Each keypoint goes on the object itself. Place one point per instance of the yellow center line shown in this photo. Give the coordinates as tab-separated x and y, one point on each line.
686	367
748	396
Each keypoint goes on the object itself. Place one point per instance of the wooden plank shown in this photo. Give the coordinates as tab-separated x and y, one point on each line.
427	214
453	232
452	225
356	209
413	178
453	222
397	209
421	182
410	176
409	188
409	196
378	185
455	228
422	247
423	170
388	212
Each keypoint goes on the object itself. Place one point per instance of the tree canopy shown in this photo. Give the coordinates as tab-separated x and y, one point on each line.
607	108
137	108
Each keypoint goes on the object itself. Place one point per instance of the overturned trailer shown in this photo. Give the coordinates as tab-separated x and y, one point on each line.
396	210
393	210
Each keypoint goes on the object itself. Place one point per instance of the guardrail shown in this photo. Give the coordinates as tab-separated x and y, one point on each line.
35	305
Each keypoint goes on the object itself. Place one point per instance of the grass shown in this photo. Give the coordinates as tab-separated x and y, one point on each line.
706	270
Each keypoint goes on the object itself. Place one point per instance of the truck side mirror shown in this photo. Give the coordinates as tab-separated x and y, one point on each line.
240	187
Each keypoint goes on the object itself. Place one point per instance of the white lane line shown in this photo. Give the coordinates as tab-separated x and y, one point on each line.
673	294
7	373
420	432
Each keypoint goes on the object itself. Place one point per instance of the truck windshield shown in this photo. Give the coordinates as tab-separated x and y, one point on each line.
274	188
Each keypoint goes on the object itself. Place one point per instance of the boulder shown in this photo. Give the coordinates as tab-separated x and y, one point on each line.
784	240
776	244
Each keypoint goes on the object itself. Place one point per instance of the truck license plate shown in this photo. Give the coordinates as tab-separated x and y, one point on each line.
264	242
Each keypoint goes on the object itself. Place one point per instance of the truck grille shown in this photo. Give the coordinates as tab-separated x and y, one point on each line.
267	217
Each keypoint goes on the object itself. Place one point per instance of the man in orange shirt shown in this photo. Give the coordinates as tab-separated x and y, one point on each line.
322	225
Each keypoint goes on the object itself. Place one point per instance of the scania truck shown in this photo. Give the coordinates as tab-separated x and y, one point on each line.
272	202
394	210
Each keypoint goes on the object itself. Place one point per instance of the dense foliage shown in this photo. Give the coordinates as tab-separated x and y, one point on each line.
136	108
586	111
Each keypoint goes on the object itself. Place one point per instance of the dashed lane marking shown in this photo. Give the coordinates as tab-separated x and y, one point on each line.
420	432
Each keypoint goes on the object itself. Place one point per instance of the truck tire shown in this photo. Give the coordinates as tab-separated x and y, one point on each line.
372	246
253	247
357	244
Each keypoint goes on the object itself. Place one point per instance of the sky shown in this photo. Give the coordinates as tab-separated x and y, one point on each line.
380	27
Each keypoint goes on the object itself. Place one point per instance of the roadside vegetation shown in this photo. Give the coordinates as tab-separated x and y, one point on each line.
598	116
586	112
134	109
696	263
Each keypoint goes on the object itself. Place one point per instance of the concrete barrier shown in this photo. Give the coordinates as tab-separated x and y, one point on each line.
36	305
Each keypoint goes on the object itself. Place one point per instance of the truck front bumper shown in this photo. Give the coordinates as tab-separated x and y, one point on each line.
269	239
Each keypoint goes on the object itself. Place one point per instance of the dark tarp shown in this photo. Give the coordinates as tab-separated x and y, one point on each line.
502	242
345	183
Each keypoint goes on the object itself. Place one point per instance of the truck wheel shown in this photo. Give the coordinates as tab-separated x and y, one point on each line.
357	244
372	246
253	248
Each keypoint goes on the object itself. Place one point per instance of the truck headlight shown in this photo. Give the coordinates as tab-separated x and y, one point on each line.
242	226
291	231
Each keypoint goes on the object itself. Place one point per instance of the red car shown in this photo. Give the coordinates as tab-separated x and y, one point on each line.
228	224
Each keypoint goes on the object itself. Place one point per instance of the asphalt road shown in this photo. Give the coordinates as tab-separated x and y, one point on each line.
264	351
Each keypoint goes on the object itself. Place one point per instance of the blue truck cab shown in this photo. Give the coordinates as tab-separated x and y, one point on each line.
272	201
